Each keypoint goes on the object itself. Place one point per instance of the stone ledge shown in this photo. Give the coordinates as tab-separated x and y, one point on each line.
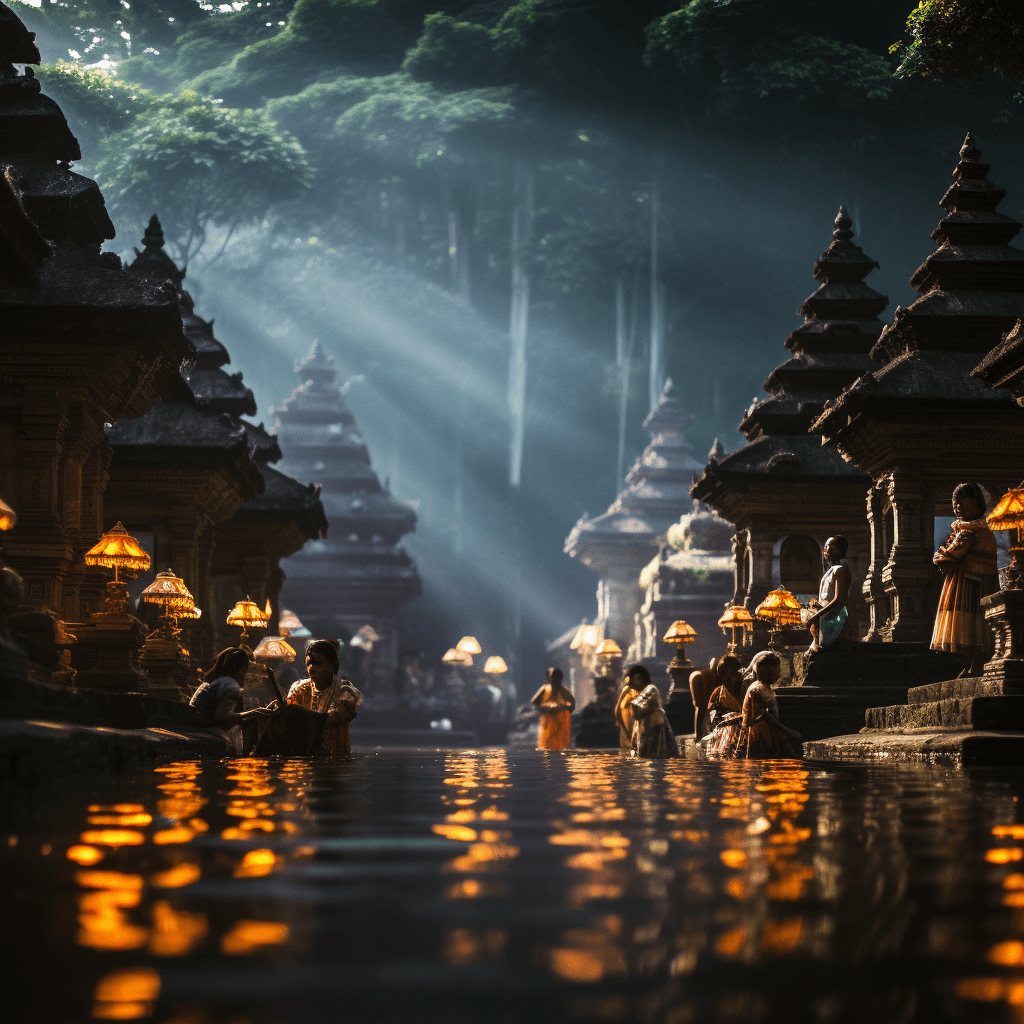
992	712
49	756
968	686
958	748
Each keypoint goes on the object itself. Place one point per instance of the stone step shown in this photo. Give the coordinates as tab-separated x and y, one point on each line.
878	663
996	712
817	712
969	686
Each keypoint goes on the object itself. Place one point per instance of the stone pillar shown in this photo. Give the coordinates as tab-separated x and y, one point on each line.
908	572
761	546
1004	612
873	588
739	567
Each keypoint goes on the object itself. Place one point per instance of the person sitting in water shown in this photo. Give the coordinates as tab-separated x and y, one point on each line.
636	680
217	701
327	692
762	734
827	621
726	671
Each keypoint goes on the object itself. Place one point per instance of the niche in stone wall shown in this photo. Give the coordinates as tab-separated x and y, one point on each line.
800	564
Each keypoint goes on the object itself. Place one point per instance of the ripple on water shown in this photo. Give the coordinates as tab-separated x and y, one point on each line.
509	886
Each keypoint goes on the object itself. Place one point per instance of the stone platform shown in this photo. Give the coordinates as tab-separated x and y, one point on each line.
973	720
838	687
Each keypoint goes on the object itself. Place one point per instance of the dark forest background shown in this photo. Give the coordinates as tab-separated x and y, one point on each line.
460	199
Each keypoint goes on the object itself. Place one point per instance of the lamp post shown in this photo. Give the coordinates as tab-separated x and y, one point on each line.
1004	610
679	633
607	670
163	659
247	614
12	665
780	608
117	550
736	617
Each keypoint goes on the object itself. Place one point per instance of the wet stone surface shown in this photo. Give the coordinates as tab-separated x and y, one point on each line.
519	886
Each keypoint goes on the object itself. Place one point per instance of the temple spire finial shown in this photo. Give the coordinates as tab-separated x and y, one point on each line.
844	225
969	150
153	238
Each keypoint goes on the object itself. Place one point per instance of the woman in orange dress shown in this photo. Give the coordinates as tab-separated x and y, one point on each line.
328	693
968	558
555	704
762	734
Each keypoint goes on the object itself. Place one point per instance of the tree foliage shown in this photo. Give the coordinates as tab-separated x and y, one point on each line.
964	39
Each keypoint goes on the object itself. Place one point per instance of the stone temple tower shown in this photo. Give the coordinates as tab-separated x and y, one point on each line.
359	575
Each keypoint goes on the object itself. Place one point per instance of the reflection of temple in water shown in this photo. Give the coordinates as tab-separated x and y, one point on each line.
359	576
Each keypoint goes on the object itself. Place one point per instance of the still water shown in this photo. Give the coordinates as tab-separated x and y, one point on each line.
519	886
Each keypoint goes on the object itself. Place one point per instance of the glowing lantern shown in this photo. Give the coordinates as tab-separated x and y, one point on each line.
736	617
246	614
495	665
1009	515
274	648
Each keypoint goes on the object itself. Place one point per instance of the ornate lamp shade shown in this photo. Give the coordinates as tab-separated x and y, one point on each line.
495	665
780	607
245	614
586	636
118	549
274	648
736	617
453	656
608	649
291	625
170	592
191	613
680	633
8	517
1009	515
468	645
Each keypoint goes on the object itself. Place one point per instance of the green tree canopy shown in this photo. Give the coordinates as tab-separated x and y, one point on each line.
964	39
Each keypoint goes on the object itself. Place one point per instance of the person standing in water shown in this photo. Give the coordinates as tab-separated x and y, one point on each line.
827	622
555	704
327	692
968	560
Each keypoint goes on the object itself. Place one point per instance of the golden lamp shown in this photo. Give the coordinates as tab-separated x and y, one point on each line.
274	648
468	645
117	549
680	633
453	656
495	665
736	617
1009	515
586	636
247	614
170	593
780	608
8	517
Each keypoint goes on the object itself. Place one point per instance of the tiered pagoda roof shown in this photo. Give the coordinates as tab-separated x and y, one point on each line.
972	292
655	493
830	351
361	566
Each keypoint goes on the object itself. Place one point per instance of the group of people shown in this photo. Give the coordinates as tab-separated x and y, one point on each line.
325	692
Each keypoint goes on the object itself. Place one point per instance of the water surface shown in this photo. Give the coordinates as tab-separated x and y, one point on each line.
514	886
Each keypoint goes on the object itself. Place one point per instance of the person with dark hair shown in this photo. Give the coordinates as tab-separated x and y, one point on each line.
968	560
555	704
324	690
636	680
827	621
727	672
217	700
761	733
652	733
